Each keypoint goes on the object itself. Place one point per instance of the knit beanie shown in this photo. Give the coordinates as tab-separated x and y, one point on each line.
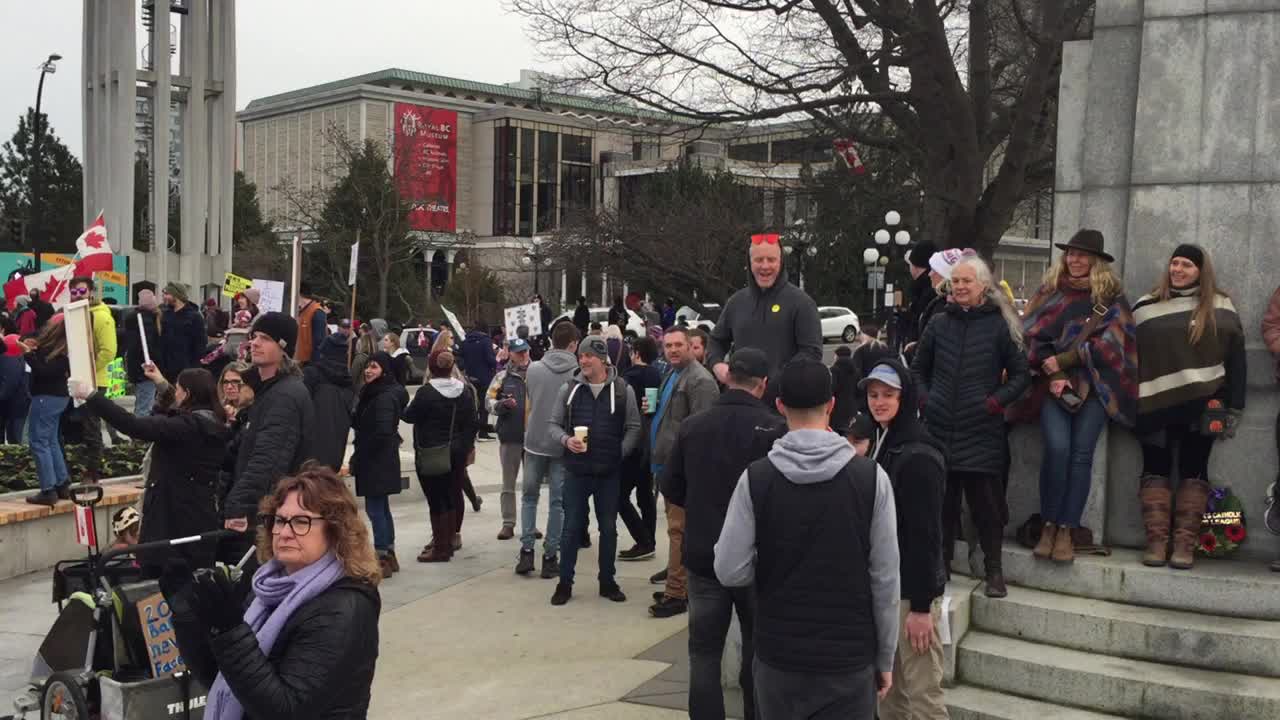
920	254
254	295
179	290
279	327
147	300
1191	252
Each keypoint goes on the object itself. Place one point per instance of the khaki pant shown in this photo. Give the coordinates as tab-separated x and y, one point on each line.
917	679
676	580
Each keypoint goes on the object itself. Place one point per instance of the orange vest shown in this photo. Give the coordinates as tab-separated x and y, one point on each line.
302	353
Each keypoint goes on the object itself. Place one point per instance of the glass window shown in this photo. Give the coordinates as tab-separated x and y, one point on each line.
527	153
547	177
753	152
575	193
801	150
576	148
504	180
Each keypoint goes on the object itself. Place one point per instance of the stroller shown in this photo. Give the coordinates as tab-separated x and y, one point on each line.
101	660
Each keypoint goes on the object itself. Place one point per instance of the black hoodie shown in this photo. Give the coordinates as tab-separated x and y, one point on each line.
914	461
782	321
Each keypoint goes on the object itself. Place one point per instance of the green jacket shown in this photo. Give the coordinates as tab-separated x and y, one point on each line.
104	341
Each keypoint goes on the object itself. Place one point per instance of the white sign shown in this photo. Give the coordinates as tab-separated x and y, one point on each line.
529	315
142	333
80	343
890	299
355	262
888	287
271	295
458	334
86	534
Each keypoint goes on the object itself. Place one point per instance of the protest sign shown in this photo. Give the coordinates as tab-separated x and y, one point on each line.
233	285
458	334
80	343
529	315
271	297
156	620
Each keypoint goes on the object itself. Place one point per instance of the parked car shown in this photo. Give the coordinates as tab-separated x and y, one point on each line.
418	341
705	320
635	323
839	322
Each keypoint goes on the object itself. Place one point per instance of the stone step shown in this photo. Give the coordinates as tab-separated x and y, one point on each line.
1251	647
1113	685
1240	589
971	703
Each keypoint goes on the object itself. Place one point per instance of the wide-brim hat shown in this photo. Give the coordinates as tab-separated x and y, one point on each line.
1089	241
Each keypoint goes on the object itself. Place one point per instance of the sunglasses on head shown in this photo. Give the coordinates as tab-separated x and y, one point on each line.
765	238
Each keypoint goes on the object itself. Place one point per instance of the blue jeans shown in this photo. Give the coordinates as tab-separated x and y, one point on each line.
378	508
42	421
537	467
1066	466
577	488
144	398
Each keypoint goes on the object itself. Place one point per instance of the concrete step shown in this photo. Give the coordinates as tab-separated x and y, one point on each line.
1251	647
1113	685
1240	589
971	703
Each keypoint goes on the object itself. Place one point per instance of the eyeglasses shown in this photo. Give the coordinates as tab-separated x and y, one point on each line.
233	383
78	291
300	524
765	238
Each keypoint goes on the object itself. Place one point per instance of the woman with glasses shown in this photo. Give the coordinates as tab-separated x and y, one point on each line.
188	444
300	638
233	394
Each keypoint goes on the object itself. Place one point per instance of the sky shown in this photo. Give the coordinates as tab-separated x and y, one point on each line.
281	45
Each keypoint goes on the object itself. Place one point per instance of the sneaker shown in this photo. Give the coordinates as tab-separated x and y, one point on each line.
485	438
637	552
525	565
48	498
669	607
659	578
563	592
613	592
506	533
550	567
996	587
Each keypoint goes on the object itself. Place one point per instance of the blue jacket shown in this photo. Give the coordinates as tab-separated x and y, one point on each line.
478	359
14	388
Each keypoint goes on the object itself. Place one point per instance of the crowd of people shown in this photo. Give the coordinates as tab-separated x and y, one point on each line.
820	505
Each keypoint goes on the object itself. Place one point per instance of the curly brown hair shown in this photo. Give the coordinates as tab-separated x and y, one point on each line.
322	492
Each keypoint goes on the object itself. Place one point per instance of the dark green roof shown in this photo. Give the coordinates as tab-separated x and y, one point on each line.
520	95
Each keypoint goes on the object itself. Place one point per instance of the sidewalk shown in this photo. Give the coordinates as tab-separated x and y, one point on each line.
466	638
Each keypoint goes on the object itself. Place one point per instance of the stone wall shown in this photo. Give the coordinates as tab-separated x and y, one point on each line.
1169	132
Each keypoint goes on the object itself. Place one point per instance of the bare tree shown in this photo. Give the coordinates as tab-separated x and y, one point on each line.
965	90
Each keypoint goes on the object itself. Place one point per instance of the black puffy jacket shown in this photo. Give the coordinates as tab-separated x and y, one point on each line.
376	460
961	361
332	399
443	411
274	441
320	668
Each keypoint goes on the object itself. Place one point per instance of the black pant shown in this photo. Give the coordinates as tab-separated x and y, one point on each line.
642	525
783	695
1193	452
711	606
439	492
92	441
985	495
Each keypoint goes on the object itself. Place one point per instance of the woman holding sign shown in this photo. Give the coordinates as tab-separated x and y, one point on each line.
299	640
188	444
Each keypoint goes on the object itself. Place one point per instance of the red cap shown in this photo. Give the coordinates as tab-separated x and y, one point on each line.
12	346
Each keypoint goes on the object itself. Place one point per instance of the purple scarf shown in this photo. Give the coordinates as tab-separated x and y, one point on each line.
276	596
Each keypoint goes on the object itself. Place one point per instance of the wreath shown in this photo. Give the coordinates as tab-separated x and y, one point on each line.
1222	527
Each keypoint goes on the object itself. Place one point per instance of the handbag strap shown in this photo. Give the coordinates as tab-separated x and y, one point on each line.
452	416
1096	314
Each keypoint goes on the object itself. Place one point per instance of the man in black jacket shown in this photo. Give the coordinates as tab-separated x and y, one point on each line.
711	451
182	339
913	459
769	314
275	442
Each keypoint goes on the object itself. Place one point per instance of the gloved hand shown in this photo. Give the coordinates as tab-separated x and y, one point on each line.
218	601
993	406
79	390
1232	422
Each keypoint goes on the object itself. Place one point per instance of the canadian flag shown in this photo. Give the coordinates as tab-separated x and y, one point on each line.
847	152
93	254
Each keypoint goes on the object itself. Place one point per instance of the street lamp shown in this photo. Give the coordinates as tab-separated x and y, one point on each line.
536	258
48	67
874	262
901	239
802	245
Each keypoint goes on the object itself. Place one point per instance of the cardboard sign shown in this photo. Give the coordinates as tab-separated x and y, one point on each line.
156	620
458	333
86	532
272	295
529	315
117	381
80	343
355	263
233	285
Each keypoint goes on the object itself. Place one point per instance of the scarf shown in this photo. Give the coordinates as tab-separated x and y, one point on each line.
1106	363
1176	376
276	596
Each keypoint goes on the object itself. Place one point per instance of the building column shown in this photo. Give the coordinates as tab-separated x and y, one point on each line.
564	287
604	289
584	284
449	255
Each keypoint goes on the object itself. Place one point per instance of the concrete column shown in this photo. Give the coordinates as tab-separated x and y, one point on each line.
449	255
604	289
564	287
584	284
161	94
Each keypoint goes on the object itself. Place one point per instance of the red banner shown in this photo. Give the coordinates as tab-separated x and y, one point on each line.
426	165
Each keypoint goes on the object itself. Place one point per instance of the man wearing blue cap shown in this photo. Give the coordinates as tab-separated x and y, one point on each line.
508	399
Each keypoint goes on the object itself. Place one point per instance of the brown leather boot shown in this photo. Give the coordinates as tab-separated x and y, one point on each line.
442	529
393	561
1193	496
1045	547
384	565
1156	500
1064	550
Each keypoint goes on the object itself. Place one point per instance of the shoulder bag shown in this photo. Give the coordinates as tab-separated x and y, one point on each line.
438	459
1027	410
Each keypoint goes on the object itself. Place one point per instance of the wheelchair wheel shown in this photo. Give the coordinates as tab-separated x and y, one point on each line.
63	699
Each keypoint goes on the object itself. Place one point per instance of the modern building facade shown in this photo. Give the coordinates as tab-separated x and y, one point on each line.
492	167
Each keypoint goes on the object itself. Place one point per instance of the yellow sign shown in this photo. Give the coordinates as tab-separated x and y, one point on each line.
777	308
112	277
233	285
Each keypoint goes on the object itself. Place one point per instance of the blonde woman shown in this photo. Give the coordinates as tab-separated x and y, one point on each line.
399	357
1192	347
1081	346
971	365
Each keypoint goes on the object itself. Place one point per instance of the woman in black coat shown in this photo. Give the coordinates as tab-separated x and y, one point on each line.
329	382
376	460
971	365
188	442
443	413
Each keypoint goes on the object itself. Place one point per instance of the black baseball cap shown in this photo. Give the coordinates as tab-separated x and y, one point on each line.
749	362
805	384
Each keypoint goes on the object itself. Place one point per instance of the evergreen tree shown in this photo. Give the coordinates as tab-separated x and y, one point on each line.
59	219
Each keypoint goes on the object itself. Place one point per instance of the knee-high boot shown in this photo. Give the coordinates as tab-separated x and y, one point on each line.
1188	512
1157	500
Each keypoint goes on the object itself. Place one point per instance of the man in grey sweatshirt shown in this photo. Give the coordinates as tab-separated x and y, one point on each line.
814	527
543	454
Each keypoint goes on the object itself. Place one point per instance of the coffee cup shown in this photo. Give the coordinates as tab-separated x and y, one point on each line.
651	400
580	432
